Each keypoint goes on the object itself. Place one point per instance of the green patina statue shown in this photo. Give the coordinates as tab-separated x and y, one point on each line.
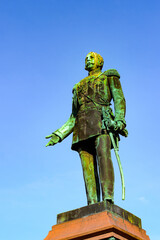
95	128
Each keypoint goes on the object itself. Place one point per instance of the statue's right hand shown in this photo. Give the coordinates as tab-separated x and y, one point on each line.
54	139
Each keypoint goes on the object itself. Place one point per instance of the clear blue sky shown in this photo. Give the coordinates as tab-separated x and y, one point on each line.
43	45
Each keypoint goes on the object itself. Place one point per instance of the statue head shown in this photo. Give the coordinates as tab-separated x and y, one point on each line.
93	61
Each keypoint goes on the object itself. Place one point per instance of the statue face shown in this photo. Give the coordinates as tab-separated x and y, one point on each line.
90	62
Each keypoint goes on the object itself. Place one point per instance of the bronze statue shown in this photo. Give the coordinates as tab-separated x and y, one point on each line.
95	128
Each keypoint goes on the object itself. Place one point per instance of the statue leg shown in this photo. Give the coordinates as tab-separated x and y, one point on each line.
106	171
90	175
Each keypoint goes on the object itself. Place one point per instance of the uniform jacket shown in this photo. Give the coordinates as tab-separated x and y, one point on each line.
89	96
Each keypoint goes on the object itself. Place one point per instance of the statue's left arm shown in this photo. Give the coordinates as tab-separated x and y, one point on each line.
118	98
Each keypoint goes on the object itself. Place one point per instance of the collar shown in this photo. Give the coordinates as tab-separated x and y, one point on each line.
94	72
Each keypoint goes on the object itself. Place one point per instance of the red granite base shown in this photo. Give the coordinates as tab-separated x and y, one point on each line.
99	226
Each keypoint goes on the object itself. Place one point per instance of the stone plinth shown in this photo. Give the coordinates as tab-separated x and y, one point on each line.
100	221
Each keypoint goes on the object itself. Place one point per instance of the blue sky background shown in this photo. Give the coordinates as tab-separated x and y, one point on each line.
43	45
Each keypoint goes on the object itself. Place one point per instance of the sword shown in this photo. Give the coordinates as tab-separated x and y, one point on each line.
108	122
119	164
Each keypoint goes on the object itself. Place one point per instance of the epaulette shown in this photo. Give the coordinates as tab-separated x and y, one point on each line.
112	72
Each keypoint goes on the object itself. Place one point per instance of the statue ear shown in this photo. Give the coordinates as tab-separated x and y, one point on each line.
100	61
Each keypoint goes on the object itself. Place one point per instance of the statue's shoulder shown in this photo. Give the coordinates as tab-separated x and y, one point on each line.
80	84
74	88
112	72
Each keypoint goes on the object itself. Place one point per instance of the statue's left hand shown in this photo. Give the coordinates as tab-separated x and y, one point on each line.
54	139
120	125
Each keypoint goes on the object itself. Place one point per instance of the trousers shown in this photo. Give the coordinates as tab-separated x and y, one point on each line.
98	172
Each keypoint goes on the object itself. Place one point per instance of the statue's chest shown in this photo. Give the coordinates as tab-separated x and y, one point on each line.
91	85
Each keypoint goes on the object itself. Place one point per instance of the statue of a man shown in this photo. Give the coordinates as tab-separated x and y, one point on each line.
90	137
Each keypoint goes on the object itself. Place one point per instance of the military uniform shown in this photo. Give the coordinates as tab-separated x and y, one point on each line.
89	96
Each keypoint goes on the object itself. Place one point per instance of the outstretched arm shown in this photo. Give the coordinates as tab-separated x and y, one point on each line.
67	128
54	139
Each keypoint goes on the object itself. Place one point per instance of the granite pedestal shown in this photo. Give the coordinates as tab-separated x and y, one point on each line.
100	221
